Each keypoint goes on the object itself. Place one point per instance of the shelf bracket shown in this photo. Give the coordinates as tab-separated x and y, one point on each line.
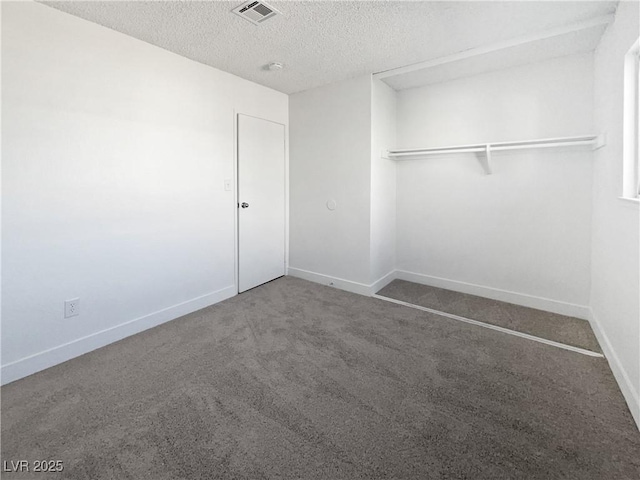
485	159
600	141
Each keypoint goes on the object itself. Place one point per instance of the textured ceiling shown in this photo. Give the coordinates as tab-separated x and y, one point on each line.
325	42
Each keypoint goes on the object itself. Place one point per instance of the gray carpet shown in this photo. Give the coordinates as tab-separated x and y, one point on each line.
296	380
559	328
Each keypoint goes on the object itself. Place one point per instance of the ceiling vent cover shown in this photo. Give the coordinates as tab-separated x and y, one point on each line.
256	12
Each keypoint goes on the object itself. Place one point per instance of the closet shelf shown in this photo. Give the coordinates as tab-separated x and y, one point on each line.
484	150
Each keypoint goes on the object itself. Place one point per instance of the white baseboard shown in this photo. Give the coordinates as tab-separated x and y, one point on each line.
383	282
531	301
341	283
624	382
541	303
48	358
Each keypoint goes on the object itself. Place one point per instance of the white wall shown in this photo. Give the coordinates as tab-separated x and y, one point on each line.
525	229
330	159
114	159
383	181
616	223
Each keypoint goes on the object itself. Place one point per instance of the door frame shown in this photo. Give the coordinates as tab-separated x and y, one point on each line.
236	188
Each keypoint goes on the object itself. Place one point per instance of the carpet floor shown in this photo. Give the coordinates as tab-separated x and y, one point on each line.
296	380
559	328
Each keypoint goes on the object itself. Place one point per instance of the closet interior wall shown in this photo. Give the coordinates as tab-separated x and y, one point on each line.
526	228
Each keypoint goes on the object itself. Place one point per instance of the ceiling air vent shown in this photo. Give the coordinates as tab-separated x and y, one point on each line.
256	12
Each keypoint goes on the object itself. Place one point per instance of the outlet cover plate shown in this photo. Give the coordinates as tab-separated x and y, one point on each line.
72	308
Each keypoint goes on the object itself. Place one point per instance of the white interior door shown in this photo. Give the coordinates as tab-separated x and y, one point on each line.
261	201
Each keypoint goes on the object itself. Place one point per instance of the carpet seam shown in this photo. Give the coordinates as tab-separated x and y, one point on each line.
489	326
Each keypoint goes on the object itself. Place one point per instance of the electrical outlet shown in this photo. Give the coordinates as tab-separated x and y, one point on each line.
72	308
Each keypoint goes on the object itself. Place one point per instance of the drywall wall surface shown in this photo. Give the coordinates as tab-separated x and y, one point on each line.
115	155
383	180
527	227
330	161
616	237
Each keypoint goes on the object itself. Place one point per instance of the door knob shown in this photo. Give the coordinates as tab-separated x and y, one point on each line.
244	205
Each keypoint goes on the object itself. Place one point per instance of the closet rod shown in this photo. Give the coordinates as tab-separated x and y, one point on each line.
596	141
